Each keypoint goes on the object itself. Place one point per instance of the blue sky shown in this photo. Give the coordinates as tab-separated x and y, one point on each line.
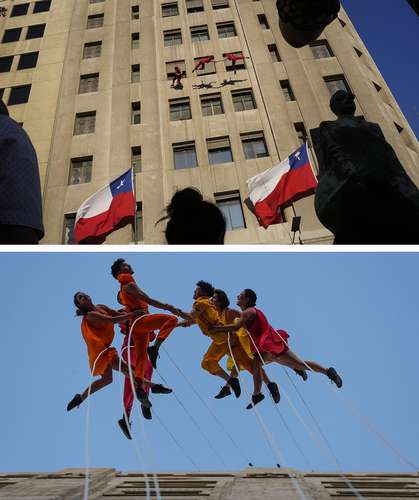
389	28
357	312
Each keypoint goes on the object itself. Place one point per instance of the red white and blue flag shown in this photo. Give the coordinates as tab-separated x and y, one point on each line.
110	208
280	185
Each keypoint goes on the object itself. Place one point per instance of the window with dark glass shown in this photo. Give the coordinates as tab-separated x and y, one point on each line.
301	132
199	34
135	40
243	100
219	150
321	49
184	155
219	4
11	35
194	6
335	83
92	49
6	63
211	104
95	21
135	73
169	9
80	170
135	113
263	21
254	145
135	12
136	159
273	51
226	30
19	95
287	90
35	31
28	60
173	37
230	205
180	109
68	232
19	10
85	123
89	83
42	6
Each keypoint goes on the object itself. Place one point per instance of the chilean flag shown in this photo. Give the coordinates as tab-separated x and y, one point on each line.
110	208
280	185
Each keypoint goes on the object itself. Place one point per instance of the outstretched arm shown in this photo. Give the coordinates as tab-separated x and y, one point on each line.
241	322
98	317
135	292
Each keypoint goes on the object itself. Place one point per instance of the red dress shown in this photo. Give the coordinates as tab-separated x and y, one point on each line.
264	336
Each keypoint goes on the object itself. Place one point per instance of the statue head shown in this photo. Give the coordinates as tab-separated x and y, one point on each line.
343	103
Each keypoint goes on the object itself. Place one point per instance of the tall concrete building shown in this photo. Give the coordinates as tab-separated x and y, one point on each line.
90	80
249	484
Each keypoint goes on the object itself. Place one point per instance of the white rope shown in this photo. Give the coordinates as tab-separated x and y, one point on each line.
196	425
270	440
214	416
352	488
136	448
86	470
131	377
357	412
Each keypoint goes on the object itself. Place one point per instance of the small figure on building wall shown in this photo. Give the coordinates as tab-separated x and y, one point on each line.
364	195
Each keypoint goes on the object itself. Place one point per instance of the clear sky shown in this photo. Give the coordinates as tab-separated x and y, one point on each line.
390	30
357	312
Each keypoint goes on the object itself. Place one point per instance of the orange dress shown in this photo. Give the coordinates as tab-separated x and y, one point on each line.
99	339
164	323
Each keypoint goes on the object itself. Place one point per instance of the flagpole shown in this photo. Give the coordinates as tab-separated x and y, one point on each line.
135	205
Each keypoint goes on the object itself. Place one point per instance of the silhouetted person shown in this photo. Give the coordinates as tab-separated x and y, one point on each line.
193	221
364	195
20	188
302	21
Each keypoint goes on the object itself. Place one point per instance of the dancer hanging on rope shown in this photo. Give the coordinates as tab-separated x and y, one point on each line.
128	397
200	65
97	329
133	298
205	315
234	57
272	345
177	77
239	341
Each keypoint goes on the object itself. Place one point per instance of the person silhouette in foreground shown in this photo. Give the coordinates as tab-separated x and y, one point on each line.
20	187
364	195
193	221
97	329
302	21
268	343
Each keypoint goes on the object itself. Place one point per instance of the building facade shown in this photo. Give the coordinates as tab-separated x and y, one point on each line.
90	80
249	484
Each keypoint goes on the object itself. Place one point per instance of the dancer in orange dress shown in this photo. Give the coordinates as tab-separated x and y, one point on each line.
98	332
133	298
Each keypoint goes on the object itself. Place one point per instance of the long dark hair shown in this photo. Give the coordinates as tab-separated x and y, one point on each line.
222	298
192	220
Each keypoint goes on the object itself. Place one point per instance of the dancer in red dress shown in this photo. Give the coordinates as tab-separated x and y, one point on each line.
269	344
234	58
202	62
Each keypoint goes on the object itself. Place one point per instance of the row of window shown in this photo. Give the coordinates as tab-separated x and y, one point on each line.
228	202
13	34
26	61
192	6
22	9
